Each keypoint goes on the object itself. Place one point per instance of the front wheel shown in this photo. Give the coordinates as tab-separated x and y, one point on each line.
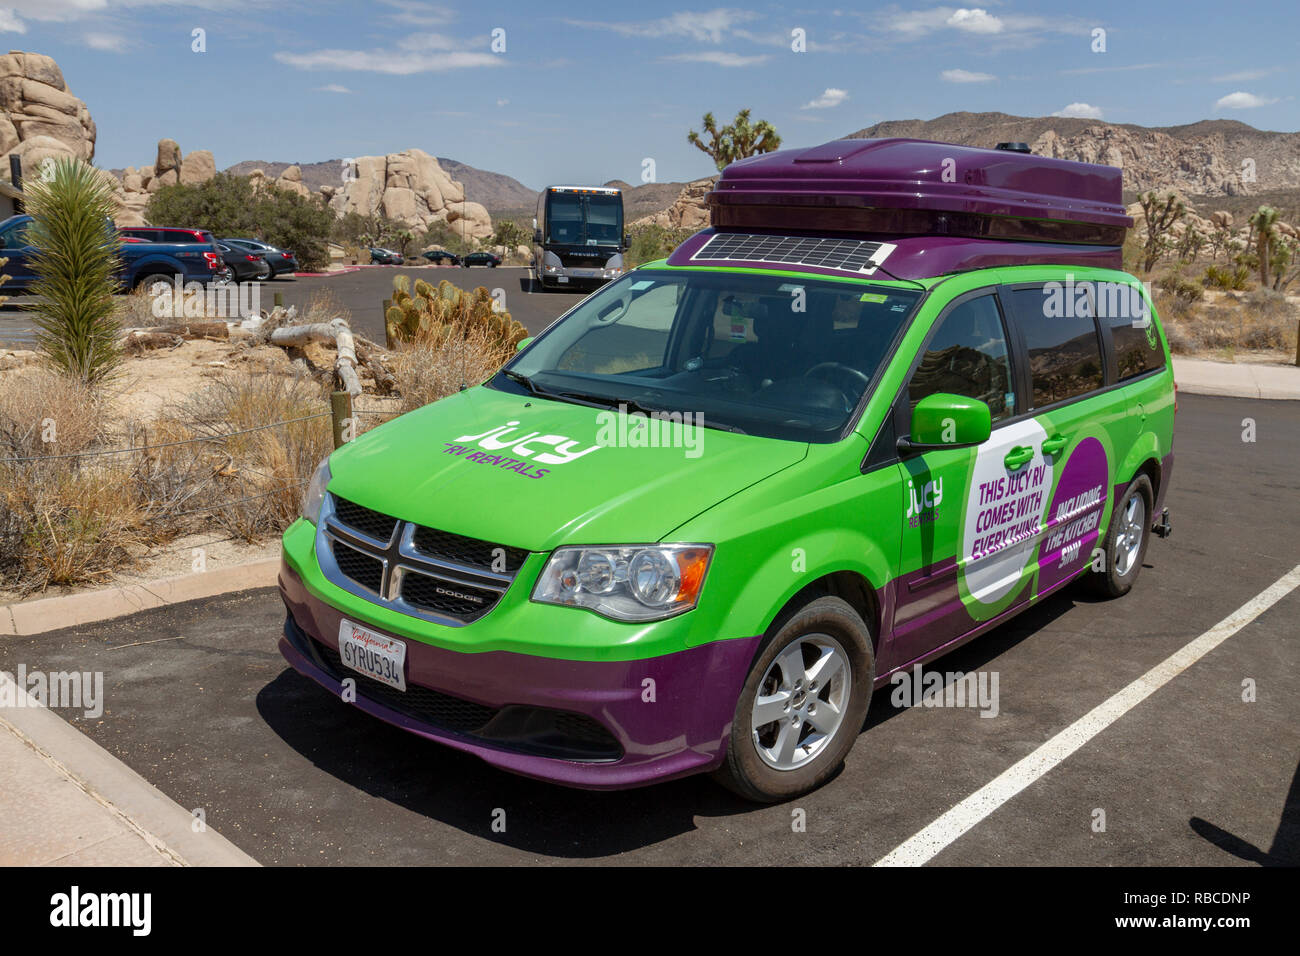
802	705
1126	540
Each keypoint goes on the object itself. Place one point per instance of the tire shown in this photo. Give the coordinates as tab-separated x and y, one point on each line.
764	764
147	282
1126	540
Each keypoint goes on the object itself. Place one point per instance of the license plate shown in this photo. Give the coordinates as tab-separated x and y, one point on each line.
562	279
373	654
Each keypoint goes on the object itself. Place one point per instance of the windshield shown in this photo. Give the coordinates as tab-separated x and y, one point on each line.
584	219
782	357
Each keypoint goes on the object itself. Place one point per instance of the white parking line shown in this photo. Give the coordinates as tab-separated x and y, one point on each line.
933	839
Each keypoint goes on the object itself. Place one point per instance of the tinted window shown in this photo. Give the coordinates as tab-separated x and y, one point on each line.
967	355
1061	341
1132	330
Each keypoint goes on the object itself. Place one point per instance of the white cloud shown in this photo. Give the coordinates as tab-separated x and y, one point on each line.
704	26
832	97
421	53
720	58
975	20
503	102
9	23
1241	101
109	42
1080	111
1243	76
416	13
333	88
966	76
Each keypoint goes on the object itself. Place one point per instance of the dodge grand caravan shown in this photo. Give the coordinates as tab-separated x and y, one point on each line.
897	393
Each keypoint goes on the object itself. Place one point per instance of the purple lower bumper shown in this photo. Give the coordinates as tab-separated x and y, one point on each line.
684	730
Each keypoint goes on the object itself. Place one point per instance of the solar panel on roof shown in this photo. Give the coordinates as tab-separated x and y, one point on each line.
848	255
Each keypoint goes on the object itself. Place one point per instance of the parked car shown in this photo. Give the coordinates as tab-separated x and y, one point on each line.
280	260
489	259
241	265
143	260
439	256
941	427
385	257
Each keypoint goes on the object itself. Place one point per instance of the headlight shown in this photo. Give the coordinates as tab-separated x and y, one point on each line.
315	494
627	583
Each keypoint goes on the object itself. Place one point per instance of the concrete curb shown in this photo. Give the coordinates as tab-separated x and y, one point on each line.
1237	379
49	614
154	816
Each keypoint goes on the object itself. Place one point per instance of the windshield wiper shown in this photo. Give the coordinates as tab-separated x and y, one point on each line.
541	392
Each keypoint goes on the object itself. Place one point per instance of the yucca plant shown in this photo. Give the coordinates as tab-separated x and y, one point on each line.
76	266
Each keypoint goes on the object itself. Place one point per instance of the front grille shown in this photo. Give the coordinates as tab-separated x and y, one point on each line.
472	552
421	703
440	595
424	572
377	525
358	566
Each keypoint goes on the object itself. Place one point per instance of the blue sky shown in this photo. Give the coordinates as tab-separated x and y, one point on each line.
588	91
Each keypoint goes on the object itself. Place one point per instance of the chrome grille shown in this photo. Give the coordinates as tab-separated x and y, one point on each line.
424	572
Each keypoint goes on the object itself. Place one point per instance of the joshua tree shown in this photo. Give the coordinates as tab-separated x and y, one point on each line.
737	140
1263	226
1161	213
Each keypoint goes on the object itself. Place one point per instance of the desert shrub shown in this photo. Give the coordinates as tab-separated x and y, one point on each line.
268	466
1180	288
1231	278
651	242
432	365
62	520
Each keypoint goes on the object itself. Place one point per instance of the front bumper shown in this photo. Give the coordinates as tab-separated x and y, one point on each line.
662	718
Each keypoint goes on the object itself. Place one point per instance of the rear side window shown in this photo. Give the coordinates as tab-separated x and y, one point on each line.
1133	335
1060	341
967	355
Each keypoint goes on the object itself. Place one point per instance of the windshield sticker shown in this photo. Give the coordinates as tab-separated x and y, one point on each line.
873	297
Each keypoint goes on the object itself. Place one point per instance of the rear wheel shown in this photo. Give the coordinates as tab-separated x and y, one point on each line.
802	705
1126	540
148	283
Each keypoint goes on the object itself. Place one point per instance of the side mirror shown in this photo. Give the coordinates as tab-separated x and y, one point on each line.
943	420
523	343
627	241
537	236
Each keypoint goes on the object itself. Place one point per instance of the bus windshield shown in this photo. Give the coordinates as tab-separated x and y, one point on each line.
584	219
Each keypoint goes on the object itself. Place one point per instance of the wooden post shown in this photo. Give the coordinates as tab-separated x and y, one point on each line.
341	413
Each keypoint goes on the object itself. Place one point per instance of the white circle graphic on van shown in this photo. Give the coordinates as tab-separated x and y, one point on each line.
1004	509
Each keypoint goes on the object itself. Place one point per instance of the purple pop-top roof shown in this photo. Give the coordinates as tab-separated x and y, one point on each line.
917	174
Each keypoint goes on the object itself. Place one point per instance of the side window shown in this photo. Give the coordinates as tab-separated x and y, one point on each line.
15	237
967	355
1060	341
1133	336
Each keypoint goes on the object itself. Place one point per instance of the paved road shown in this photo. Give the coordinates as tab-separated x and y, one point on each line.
362	293
1193	775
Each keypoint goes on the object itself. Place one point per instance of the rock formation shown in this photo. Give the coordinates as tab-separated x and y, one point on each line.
688	210
409	187
39	117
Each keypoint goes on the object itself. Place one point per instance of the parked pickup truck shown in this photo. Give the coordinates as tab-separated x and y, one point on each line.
141	261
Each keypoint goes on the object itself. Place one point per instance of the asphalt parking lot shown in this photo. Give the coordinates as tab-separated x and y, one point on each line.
362	294
201	704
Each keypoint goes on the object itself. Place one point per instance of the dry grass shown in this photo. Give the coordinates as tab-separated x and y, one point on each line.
1260	320
433	366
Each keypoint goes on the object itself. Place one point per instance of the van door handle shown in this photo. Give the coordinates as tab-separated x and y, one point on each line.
1018	457
1053	446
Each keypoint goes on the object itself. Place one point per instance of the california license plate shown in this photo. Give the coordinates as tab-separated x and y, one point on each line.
373	654
562	279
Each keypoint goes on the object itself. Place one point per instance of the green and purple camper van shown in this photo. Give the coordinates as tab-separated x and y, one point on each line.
896	393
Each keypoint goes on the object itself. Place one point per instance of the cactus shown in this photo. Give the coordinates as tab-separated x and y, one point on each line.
429	313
